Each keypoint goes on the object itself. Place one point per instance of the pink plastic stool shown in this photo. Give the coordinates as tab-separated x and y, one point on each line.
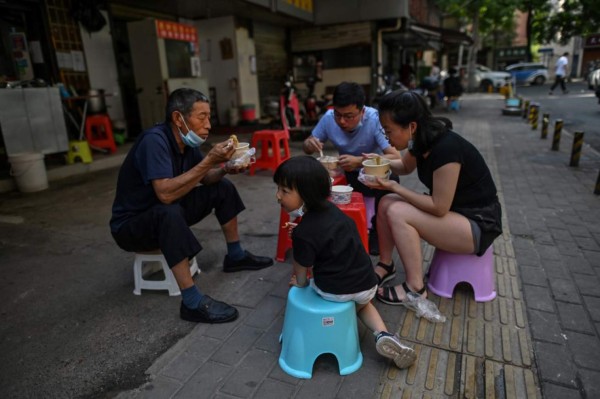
370	206
448	269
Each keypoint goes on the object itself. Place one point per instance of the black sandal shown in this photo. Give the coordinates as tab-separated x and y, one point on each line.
390	296
390	273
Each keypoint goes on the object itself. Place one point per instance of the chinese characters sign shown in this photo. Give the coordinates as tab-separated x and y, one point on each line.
176	31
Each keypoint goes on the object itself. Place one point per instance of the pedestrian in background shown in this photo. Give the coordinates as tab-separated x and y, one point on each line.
560	73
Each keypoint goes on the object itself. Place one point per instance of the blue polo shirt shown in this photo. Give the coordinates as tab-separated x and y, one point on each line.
155	155
368	137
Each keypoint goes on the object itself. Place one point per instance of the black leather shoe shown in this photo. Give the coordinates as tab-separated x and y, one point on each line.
248	262
209	311
373	243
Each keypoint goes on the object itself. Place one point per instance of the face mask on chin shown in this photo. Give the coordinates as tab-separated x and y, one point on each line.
191	139
297	213
358	126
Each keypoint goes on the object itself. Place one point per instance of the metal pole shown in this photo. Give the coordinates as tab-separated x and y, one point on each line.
556	139
576	150
545	122
526	109
597	189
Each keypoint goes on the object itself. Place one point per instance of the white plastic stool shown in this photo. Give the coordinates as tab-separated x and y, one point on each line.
168	283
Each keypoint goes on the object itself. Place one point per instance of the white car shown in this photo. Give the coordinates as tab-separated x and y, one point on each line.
487	78
594	79
532	73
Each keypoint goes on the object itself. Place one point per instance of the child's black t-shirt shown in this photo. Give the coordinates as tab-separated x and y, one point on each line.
329	241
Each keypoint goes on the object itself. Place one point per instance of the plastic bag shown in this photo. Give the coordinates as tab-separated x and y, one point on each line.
243	161
423	308
369	179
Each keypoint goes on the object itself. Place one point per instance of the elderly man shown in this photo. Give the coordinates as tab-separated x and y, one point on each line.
166	185
354	130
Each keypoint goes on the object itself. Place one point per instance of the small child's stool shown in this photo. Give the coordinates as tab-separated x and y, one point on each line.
313	326
453	104
169	283
79	150
273	140
448	269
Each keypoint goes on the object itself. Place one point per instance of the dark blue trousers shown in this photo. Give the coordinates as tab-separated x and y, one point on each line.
167	226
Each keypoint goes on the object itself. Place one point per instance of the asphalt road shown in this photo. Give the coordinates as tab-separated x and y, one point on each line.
70	326
579	110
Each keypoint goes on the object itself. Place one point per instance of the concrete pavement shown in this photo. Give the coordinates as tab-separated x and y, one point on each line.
538	338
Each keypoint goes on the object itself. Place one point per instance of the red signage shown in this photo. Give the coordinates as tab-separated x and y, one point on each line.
176	31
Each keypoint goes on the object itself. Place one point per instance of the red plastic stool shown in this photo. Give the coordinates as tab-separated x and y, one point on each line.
284	242
271	144
355	209
98	132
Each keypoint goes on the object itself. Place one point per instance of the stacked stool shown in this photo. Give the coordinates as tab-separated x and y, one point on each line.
99	133
449	269
313	326
168	283
271	144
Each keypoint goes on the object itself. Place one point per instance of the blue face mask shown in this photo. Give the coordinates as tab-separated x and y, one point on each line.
190	139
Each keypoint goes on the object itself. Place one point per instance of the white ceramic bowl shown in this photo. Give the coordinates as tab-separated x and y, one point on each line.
341	194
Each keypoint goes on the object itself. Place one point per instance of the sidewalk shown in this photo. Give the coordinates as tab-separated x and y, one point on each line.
484	349
538	338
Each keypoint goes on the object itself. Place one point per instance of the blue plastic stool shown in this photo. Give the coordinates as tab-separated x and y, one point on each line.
313	326
454	105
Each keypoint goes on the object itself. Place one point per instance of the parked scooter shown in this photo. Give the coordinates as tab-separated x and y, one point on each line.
390	83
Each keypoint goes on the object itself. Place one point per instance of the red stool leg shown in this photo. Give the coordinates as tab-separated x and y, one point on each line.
284	242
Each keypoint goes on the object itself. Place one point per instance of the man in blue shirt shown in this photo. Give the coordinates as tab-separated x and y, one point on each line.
354	130
166	185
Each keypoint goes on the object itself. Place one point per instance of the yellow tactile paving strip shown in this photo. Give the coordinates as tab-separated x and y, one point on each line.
482	350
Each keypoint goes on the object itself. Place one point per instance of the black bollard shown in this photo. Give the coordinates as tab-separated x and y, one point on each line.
597	189
545	122
526	110
556	138
576	150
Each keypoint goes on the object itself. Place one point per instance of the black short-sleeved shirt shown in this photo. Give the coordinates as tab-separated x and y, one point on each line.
329	241
475	186
155	155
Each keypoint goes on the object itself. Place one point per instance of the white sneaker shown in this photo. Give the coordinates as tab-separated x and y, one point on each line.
390	346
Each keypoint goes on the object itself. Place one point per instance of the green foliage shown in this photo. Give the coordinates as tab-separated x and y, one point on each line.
574	18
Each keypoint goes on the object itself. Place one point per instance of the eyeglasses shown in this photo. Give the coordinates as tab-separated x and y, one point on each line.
349	116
